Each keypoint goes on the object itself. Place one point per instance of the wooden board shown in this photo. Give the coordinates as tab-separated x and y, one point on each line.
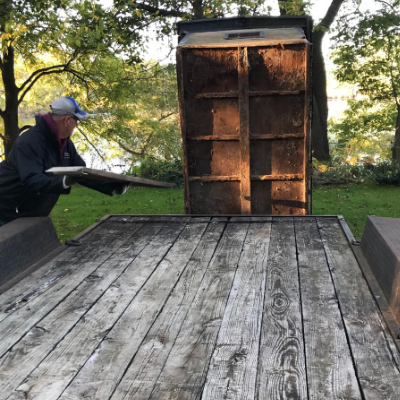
179	307
100	175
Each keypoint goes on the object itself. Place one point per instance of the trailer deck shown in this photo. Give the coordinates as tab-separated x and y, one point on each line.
197	307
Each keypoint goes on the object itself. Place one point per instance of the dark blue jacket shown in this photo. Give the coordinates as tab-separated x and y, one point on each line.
25	189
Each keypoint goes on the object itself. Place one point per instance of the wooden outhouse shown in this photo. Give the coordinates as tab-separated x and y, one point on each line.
244	99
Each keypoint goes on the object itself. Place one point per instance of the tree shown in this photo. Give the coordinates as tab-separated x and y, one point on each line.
370	57
319	138
72	31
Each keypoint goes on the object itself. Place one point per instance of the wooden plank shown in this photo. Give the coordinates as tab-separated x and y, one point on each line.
233	367
281	370
22	320
40	277
214	178
278	177
307	129
56	371
106	176
18	362
185	370
183	124
245	185
140	378
372	347
127	335
235	93
281	136
330	368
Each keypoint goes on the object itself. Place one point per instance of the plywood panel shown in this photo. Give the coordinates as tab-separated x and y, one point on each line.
288	157
276	115
208	70
212	117
215	197
213	158
288	198
277	68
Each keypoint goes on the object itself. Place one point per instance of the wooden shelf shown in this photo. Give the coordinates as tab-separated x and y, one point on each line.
252	137
233	178
252	93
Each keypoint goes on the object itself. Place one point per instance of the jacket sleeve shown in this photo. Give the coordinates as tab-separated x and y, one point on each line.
30	165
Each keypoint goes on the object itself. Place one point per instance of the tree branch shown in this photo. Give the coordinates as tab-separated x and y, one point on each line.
331	14
94	147
162	12
166	116
39	71
127	149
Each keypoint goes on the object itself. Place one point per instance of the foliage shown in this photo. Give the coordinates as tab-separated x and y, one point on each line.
387	172
366	130
294	7
167	171
369	57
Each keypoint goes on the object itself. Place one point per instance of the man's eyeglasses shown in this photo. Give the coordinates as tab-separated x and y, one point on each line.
76	119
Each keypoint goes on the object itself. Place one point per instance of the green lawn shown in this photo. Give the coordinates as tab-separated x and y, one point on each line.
80	209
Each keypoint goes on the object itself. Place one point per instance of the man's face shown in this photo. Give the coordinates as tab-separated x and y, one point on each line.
69	123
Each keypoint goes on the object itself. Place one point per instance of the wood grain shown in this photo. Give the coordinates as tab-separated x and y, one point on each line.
114	354
18	362
140	378
281	369
57	370
330	368
185	370
233	367
245	185
374	353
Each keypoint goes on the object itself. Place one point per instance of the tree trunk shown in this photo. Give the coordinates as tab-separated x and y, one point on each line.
10	113
396	144
198	9
319	129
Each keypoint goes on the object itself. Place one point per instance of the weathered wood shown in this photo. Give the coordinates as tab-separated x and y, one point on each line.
214	178
233	367
307	129
17	363
281	177
140	378
330	368
371	346
185	370
235	93
106	176
282	370
122	342
22	319
245	185
200	138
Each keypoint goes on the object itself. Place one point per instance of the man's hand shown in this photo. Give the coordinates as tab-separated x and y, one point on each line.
68	181
120	188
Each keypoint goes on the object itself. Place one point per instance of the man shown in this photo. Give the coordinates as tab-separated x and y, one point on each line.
26	190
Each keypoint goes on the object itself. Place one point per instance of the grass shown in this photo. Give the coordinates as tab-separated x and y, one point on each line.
80	209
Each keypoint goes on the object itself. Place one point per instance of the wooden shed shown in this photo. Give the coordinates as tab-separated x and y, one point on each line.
244	100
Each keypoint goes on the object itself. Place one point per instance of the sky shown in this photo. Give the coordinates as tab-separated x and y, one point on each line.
159	50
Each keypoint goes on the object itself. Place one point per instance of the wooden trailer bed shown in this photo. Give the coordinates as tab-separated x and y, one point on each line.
184	307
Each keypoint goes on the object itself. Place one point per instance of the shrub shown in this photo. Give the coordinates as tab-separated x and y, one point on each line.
387	172
166	171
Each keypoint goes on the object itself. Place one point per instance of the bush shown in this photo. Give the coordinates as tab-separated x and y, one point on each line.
166	171
387	172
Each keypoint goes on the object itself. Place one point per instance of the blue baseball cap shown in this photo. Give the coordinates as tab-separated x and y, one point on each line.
67	106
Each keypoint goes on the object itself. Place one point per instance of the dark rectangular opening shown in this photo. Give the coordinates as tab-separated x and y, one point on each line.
244	35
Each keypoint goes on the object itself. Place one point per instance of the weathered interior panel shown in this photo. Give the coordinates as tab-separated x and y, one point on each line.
213	158
276	115
206	117
277	68
215	197
209	70
245	123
